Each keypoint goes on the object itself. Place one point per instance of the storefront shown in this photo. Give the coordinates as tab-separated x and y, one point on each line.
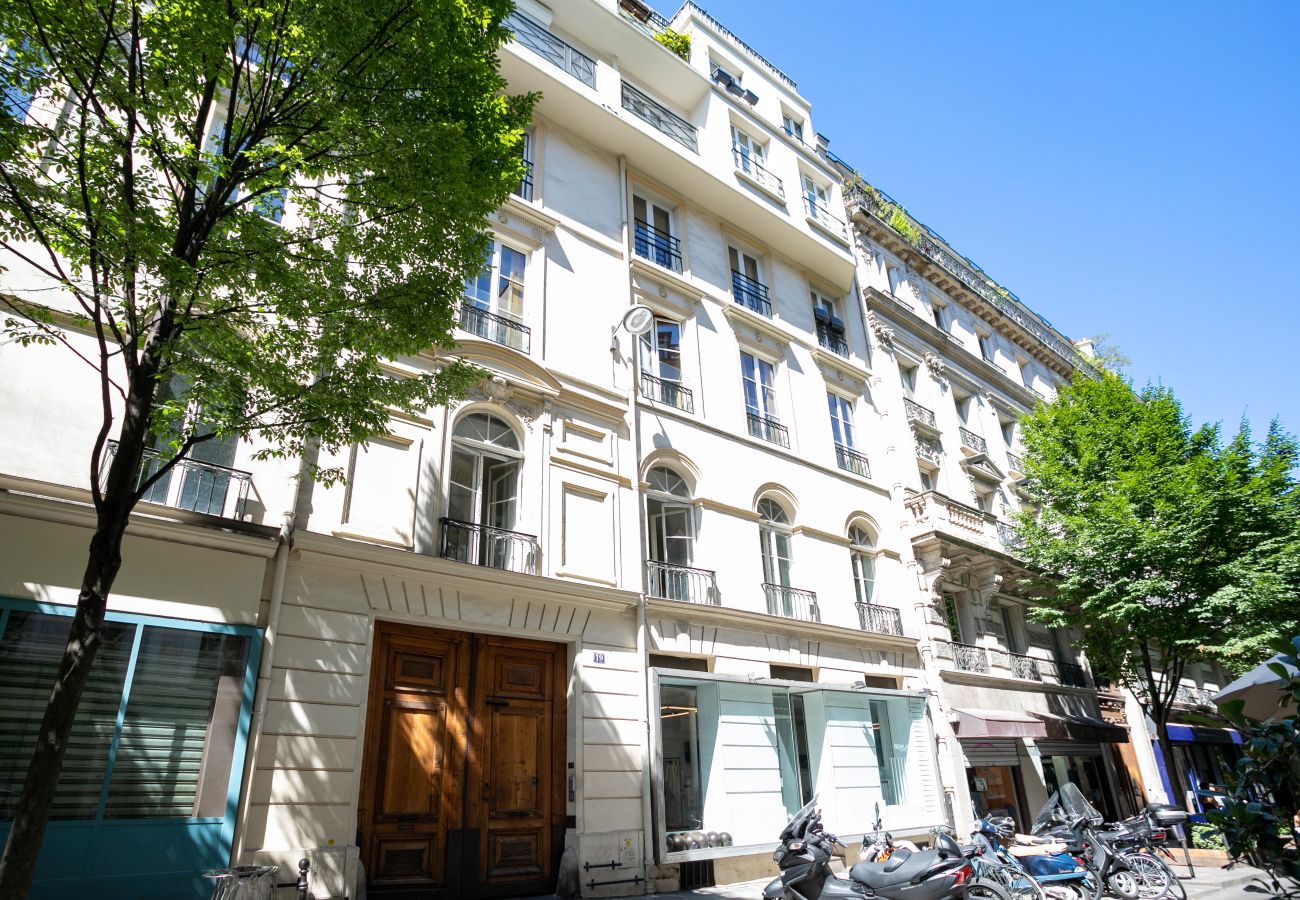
734	759
1204	757
1074	751
991	742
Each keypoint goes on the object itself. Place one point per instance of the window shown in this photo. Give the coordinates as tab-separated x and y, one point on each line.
963	404
986	345
204	481
661	365
493	304
907	374
746	287
830	327
952	617
841	419
816	197
939	313
748	152
483	495
1026	377
895	279
1008	432
774	545
862	556
653	234
671	525
19	81
927	478
759	377
792	127
269	203
1009	626
721	74
524	190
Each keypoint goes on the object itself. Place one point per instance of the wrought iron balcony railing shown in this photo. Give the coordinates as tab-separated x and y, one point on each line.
968	658
749	164
769	430
1008	536
819	213
1193	696
552	49
524	191
851	460
1025	667
973	440
1071	674
681	583
1015	463
750	293
880	619
832	340
791	603
919	414
483	545
191	485
496	328
660	247
661	390
660	117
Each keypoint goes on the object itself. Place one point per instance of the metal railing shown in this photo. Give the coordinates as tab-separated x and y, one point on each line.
750	293
681	583
1015	463
973	440
968	658
769	430
1008	537
1071	674
791	603
1025	667
832	340
1193	696
880	619
660	247
483	545
524	190
660	117
820	214
642	17
851	460
550	48
661	390
496	328
919	414
749	164
191	485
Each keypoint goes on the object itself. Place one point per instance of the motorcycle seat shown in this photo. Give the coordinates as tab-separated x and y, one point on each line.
1032	839
1036	849
893	871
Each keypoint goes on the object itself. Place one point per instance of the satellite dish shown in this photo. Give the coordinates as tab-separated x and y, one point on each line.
638	320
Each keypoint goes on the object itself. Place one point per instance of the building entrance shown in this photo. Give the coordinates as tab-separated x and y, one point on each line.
462	792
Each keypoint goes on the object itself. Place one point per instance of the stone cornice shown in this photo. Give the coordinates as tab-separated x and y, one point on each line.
764	624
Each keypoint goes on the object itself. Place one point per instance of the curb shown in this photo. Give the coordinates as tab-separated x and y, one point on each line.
1226	880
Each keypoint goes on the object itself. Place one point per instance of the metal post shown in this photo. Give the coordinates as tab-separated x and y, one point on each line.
303	867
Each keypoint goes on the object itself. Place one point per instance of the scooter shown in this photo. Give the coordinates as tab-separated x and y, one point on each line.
804	856
1068	816
1050	871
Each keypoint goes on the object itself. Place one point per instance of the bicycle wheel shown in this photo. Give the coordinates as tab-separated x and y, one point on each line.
982	889
1015	882
1152	875
1176	888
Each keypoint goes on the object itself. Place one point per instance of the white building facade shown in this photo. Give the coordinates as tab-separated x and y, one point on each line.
723	530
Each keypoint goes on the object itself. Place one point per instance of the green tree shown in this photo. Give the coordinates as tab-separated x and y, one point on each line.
1159	543
252	203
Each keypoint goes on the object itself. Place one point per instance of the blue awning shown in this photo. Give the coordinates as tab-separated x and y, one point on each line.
1195	734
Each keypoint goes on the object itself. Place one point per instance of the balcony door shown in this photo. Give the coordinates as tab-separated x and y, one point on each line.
654	232
483	492
672	534
774	539
202	486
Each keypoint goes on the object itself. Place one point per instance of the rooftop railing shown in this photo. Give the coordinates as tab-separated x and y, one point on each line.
483	545
660	117
495	328
191	485
660	247
880	619
769	430
750	294
750	165
851	460
555	51
681	583
791	603
661	390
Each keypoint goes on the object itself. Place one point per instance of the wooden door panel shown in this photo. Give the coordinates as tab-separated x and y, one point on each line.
413	761
527	677
520	760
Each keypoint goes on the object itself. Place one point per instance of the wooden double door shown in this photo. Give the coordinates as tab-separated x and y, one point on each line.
462	792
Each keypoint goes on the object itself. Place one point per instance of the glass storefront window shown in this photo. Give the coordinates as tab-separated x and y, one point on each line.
739	758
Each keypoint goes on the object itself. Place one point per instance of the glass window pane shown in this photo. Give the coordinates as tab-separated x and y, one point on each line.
510	287
176	753
30	651
478	289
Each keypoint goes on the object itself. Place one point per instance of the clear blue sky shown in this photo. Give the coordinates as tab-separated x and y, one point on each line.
1128	168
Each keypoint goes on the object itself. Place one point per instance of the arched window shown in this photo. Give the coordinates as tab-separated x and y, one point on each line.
863	559
774	533
482	495
672	537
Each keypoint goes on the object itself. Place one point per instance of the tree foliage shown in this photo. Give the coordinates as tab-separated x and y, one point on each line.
1159	542
254	203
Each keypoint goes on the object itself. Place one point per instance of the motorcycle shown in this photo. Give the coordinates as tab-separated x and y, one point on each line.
1030	871
942	873
1069	817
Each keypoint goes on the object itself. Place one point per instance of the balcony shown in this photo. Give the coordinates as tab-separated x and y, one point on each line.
851	460
769	430
968	658
524	190
496	328
791	603
832	340
681	583
820	215
1193	696
660	117
1071	675
1015	463
550	48
750	294
973	441
1025	667
660	247
1007	535
483	545
191	485
749	165
920	416
880	619
667	392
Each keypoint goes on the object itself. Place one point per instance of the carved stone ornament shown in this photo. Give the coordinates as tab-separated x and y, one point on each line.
865	249
497	389
525	411
936	365
884	334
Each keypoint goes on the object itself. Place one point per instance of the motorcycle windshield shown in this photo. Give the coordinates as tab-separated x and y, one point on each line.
1047	816
798	823
1076	805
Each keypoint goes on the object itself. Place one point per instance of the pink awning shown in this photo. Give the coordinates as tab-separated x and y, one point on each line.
988	723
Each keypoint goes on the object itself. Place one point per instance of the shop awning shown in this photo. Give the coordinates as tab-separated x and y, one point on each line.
1195	733
1061	727
989	723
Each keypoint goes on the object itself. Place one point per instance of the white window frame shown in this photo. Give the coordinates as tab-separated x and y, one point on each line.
765	403
841	413
792	126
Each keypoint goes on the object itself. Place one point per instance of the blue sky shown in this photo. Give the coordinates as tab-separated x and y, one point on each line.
1128	168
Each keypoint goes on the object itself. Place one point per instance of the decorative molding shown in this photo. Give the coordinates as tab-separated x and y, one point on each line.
884	334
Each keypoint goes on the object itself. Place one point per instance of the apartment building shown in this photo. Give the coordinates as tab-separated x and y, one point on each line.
723	530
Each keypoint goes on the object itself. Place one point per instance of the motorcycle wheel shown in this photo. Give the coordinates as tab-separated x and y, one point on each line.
1123	884
1155	880
985	890
1080	890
